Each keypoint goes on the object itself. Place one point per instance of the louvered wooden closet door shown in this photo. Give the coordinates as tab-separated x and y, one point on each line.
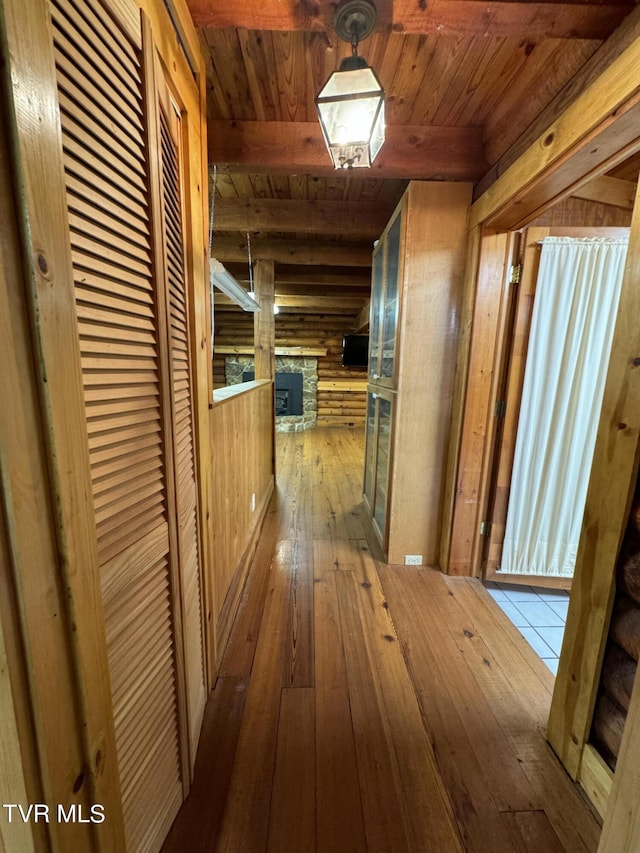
106	166
182	402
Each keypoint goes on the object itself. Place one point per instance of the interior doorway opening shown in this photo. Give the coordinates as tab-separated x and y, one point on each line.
550	377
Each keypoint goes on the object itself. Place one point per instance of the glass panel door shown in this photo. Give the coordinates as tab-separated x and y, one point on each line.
390	314
377	289
382	464
370	452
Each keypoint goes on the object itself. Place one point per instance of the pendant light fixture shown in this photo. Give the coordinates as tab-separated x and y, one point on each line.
351	104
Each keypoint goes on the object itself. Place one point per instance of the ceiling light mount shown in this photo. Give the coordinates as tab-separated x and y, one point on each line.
354	19
351	103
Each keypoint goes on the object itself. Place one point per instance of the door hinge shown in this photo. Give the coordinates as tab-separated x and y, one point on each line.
485	528
515	273
501	408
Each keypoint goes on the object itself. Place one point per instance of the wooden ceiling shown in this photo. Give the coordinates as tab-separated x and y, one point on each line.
467	85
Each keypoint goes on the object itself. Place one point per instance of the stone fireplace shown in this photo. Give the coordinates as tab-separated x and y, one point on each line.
238	368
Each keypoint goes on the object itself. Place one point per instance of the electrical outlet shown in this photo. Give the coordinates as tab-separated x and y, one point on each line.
253	502
413	559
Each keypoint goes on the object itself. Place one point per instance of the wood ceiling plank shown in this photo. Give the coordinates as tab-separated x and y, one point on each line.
256	77
225	185
479	82
216	102
411	152
289	61
261	186
305	252
461	90
451	59
547	69
231	74
506	65
442	17
384	53
298	185
335	189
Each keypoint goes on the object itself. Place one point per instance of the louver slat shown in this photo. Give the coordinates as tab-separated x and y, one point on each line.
106	165
184	453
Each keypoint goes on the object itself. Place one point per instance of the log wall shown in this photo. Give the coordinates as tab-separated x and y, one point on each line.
623	646
341	392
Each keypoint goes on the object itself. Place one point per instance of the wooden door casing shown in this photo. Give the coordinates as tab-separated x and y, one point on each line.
516	357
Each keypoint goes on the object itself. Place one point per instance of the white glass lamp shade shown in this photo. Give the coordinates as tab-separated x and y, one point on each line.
351	112
222	279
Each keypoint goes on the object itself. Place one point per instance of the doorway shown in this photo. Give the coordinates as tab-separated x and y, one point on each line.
548	402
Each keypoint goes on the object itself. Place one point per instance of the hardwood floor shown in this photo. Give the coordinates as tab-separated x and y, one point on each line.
365	707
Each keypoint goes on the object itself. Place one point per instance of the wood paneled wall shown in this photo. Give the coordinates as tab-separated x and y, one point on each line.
241	473
341	392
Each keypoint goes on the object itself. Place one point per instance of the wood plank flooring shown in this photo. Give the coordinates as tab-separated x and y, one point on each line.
365	707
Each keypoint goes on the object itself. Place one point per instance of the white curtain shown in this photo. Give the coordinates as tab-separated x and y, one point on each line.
574	312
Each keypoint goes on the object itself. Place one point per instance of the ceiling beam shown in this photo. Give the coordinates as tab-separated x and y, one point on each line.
437	17
301	216
313	304
607	190
314	290
295	252
286	16
321	303
410	152
500	19
358	279
310	277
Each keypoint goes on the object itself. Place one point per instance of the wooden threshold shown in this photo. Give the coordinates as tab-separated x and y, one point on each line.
545	581
367	707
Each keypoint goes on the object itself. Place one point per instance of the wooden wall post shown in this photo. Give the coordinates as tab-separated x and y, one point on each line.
264	329
611	486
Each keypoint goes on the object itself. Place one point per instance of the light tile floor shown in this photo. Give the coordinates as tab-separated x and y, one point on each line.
539	614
